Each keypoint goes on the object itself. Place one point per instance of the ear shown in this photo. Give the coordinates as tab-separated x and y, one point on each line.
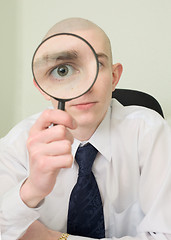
117	70
43	93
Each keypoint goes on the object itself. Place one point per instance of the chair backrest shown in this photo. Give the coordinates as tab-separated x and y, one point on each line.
133	97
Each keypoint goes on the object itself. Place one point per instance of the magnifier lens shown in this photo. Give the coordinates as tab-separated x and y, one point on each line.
65	66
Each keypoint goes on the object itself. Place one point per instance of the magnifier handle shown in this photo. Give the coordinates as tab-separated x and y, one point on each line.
61	105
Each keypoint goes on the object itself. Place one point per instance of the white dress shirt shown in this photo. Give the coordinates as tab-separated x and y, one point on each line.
132	169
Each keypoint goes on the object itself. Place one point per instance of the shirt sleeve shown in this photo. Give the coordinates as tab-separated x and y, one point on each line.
155	178
15	216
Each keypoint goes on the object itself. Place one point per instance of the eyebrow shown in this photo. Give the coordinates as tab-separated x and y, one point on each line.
66	55
102	55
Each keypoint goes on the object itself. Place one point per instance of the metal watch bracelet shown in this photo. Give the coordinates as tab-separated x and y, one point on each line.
64	236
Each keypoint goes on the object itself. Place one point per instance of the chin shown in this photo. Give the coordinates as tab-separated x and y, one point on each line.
89	121
86	120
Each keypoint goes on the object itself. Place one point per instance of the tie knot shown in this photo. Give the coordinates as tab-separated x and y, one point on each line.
85	157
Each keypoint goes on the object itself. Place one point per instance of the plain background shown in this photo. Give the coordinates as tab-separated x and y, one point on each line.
140	33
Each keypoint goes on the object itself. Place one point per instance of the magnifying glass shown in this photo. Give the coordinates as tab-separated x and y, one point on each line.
65	66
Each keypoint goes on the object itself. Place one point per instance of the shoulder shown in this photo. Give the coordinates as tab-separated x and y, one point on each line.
19	131
136	119
135	113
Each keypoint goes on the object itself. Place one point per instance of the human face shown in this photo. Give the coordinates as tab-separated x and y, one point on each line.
90	109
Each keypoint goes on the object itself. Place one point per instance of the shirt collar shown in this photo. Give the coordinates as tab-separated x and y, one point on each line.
100	139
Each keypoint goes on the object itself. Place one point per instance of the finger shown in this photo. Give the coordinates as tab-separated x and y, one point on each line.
53	116
55	133
58	162
50	164
56	148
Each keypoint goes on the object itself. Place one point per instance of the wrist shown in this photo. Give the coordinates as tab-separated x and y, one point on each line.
29	196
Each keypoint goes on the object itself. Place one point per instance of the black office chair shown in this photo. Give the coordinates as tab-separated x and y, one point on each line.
133	97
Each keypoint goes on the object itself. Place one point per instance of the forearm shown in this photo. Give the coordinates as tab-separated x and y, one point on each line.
38	231
29	195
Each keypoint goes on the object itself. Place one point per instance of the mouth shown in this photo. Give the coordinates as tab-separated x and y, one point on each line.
84	106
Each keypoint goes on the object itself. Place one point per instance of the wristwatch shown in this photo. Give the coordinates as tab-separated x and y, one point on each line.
64	236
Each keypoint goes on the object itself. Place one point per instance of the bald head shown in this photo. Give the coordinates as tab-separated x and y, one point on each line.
71	25
77	25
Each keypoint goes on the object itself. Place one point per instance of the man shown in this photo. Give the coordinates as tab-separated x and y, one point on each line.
132	166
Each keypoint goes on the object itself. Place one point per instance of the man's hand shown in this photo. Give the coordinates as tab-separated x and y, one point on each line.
49	151
37	231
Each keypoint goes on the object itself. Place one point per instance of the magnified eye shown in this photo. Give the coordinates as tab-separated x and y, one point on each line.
63	70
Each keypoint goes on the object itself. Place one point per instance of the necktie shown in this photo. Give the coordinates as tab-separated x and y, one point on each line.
85	213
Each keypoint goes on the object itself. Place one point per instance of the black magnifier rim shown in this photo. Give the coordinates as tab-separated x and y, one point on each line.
84	40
